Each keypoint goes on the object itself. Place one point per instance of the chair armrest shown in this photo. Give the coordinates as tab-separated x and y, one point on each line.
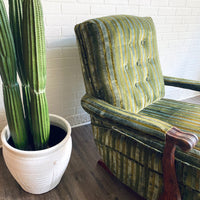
147	125
182	83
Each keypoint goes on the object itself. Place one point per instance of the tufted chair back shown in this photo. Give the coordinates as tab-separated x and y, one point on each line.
120	61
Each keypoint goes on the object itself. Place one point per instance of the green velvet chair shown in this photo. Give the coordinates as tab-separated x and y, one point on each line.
133	124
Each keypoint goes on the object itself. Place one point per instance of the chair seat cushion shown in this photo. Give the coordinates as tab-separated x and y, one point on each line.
185	116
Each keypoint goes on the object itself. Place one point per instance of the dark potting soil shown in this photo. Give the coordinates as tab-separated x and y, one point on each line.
57	134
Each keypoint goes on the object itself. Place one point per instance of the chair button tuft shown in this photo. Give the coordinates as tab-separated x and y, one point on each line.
138	63
143	42
149	60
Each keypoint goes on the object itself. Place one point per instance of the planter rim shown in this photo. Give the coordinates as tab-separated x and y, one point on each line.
66	127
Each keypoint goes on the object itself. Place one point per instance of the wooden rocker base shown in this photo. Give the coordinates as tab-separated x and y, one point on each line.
103	165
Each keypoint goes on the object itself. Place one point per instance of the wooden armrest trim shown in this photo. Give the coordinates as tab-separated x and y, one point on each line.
185	141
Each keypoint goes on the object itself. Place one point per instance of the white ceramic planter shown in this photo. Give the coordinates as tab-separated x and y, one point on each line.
40	171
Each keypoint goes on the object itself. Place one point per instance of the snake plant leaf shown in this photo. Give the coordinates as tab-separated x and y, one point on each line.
35	61
16	18
11	92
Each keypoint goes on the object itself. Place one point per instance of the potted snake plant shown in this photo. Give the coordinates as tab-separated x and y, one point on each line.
36	146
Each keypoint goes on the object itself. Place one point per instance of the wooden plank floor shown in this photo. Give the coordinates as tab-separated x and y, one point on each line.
83	179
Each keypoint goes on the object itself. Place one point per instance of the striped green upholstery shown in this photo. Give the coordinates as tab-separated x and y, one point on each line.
129	116
120	59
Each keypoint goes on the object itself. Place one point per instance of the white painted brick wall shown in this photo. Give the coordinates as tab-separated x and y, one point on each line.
178	32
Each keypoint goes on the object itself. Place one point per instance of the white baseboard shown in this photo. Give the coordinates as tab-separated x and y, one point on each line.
83	124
